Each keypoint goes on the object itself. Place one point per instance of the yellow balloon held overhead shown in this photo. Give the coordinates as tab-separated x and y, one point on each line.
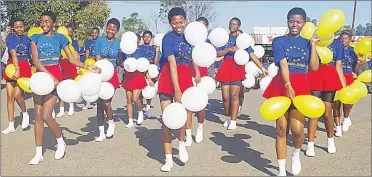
365	76
348	96
34	30
62	30
360	89
275	107
90	61
10	70
331	22
24	83
364	46
325	54
310	106
308	30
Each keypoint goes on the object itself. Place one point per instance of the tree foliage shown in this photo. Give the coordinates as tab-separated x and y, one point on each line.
133	23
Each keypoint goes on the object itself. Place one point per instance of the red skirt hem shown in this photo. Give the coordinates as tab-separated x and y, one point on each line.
24	69
165	83
115	79
277	86
324	79
229	71
134	80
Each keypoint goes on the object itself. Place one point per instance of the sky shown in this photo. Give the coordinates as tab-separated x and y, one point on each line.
252	13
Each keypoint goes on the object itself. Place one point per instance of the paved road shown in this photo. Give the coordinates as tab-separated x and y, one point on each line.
249	150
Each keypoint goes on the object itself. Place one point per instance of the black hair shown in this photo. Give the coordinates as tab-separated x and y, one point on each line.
147	32
138	36
70	26
95	28
240	31
16	20
237	19
203	19
176	11
51	14
297	11
347	32
115	22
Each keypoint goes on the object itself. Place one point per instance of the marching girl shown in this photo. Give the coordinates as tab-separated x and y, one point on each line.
45	50
108	48
323	84
19	49
293	54
151	53
203	71
133	84
89	53
231	74
69	71
349	61
175	78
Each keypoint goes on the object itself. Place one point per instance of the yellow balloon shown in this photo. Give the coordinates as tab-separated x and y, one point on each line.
359	88
326	40
71	49
325	54
62	30
364	46
34	30
310	106
365	76
331	21
90	61
24	83
69	39
77	78
352	44
337	96
308	30
10	70
348	96
275	107
33	70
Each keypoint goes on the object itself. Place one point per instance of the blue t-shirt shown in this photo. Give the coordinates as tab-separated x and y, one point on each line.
82	54
349	60
21	45
75	45
337	49
369	64
49	48
107	49
295	50
160	61
175	44
137	54
89	45
231	43
149	52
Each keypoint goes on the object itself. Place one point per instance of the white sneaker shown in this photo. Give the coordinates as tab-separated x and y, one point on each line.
310	152
227	122
140	118
282	174
338	131
349	121
166	167
70	112
129	125
199	135
184	156
60	114
148	113
110	130
232	125
60	152
345	126
296	165
36	160
100	138
331	147
25	121
188	141
8	130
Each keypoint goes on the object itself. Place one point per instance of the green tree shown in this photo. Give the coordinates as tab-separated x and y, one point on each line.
133	23
314	21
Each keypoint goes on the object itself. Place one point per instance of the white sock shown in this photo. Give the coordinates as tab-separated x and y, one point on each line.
168	158
296	152
111	121
281	164
60	140
11	125
88	104
200	126
39	150
188	133
310	145
61	109
25	114
71	106
130	120
148	107
101	130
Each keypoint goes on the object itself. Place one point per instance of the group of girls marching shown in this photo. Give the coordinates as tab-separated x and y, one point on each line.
300	74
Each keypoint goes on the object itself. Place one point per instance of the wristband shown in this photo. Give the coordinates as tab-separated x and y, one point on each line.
288	83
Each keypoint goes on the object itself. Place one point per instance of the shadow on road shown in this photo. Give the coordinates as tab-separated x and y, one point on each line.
50	142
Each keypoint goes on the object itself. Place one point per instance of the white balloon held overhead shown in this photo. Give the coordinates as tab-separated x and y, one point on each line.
107	91
208	84
204	54
90	84
130	64
259	51
265	82
149	92
252	68
107	69
249	81
241	57
128	47
41	83
243	41
174	116
158	39
194	99
196	33
153	71
218	37
90	98
143	64
68	91
129	36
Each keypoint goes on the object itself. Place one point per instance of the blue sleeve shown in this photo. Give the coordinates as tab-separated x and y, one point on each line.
10	42
86	44
97	47
35	38
167	46
340	51
249	49
278	51
62	40
75	45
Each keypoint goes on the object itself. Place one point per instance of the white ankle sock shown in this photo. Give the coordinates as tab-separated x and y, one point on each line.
101	130
296	152
60	140
148	107
111	122
11	125
200	126
39	150
25	114
281	164
188	133
71	106
168	158
88	103
61	109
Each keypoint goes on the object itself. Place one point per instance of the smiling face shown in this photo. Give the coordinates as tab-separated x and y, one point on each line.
94	34
46	23
19	28
295	24
111	30
346	39
147	39
178	24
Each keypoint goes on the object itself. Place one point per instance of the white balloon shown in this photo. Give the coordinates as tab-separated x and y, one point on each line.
249	81
259	51
90	84
273	70
207	84
253	43
265	82
148	92
130	64
195	33
158	39
128	47
193	81
68	91
174	116
153	71
241	57
243	41
107	91
41	83
90	99
251	68
156	86
194	99
129	36
107	69
204	54
218	37
143	64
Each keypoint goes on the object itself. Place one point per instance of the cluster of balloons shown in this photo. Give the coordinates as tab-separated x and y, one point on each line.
141	64
63	30
357	90
22	82
252	71
364	48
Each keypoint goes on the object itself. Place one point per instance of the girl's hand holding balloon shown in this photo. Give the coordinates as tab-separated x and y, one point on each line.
56	82
265	72
16	74
290	91
93	69
197	79
177	96
314	39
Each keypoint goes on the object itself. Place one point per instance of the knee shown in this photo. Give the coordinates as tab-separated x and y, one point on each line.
281	130
10	99
234	97
135	99
296	132
225	98
38	116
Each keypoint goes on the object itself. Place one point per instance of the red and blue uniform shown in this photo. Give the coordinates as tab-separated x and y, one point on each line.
349	61
68	69
89	45
135	80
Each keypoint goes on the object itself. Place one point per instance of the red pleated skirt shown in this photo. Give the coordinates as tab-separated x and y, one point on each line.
68	69
202	70
230	71
134	80
277	86
349	78
55	70
115	79
24	69
165	84
324	79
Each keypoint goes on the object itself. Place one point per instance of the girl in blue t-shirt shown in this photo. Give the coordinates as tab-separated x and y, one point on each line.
45	50
19	51
293	54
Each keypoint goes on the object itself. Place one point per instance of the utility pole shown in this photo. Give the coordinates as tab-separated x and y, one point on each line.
352	25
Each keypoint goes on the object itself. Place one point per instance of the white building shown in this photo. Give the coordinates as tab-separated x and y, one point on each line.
265	35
